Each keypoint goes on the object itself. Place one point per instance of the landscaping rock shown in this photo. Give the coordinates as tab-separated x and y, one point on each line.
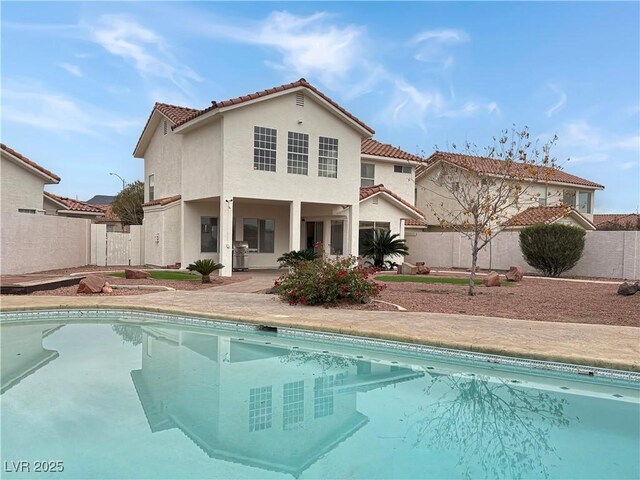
422	269
135	274
514	274
91	284
491	280
628	288
107	288
408	269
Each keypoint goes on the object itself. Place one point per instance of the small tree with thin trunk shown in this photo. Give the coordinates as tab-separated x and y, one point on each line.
128	204
476	203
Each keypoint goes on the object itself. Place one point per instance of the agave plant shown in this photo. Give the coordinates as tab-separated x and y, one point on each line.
383	244
294	257
205	267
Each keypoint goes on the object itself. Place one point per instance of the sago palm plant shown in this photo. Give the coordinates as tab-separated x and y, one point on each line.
205	267
381	244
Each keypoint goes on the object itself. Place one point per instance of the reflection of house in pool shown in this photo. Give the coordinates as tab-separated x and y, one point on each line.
22	352
258	404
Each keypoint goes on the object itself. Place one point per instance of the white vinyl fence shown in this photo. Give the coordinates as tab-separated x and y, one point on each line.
115	248
610	254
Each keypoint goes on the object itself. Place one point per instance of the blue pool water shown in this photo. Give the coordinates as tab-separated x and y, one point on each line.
112	399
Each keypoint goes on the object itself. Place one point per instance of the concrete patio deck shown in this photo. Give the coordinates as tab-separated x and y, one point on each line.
583	344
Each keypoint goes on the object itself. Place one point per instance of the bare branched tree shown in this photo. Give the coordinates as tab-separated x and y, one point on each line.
128	204
477	191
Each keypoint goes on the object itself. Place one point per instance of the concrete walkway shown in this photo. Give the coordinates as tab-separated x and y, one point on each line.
595	345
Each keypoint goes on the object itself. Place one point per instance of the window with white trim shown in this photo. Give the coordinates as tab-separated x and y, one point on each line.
328	157
367	174
298	153
264	149
260	408
152	187
293	405
259	234
402	168
208	234
323	397
584	202
366	230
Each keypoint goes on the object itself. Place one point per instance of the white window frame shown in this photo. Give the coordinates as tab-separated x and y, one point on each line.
328	157
298	153
265	143
367	181
151	188
402	169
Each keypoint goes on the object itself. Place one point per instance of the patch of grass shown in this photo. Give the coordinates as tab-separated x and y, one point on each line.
425	279
164	275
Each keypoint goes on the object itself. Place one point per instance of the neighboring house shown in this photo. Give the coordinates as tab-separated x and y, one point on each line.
111	220
68	207
278	169
544	187
22	183
548	215
617	221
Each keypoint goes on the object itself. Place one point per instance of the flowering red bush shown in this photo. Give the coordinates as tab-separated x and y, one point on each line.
327	281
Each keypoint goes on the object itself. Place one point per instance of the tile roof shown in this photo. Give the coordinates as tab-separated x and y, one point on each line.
269	91
497	167
29	162
366	192
162	201
615	219
108	214
412	222
74	205
370	146
536	215
175	113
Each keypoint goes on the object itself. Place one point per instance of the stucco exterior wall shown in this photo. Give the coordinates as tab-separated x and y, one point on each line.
382	211
163	160
202	162
614	254
282	114
402	184
162	235
19	188
32	243
192	211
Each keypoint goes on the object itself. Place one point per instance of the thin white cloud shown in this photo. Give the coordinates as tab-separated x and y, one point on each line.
39	108
560	102
629	165
72	69
444	35
147	51
433	45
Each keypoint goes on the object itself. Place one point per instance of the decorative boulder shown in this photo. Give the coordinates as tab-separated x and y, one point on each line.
407	269
107	288
514	274
130	273
91	284
628	288
491	280
422	269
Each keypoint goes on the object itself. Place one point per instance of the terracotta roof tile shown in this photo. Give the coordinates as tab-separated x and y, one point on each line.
412	222
29	162
263	93
370	146
108	214
615	219
74	205
497	167
536	215
366	192
175	113
162	201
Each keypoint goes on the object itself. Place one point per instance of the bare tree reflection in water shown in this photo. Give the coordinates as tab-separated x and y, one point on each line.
129	334
495	425
325	361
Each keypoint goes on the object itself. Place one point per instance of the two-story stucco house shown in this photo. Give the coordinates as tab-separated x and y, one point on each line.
279	169
549	195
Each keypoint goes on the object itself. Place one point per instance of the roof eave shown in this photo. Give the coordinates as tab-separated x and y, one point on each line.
49	180
368	156
147	133
414	213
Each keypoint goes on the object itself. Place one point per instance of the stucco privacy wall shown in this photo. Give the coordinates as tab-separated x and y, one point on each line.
161	243
32	243
606	254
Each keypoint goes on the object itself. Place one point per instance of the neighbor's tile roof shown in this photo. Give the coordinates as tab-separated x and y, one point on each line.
263	93
366	192
615	219
162	201
108	214
536	215
370	146
412	222
29	162
74	205
497	167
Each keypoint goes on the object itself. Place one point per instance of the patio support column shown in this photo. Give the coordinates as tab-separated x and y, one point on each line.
326	234
294	225
353	229
225	234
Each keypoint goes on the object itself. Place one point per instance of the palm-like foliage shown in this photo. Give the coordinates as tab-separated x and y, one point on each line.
383	244
205	268
294	257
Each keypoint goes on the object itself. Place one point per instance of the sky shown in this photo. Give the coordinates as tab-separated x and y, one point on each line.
79	80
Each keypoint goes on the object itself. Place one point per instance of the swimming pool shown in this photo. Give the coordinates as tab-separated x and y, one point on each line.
112	394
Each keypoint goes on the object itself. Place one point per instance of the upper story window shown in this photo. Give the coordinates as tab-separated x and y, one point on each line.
298	153
584	202
152	184
264	149
569	197
402	168
328	157
581	201
367	174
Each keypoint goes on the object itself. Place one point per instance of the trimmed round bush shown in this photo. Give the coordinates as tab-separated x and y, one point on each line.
552	249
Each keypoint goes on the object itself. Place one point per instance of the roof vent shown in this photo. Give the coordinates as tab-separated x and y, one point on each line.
375	200
300	99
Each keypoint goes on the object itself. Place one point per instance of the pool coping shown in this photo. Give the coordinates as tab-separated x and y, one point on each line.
577	363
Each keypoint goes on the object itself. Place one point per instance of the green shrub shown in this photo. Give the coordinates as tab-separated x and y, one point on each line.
292	258
327	281
381	244
552	249
205	268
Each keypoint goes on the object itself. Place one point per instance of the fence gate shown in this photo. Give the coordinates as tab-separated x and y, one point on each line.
118	248
115	248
